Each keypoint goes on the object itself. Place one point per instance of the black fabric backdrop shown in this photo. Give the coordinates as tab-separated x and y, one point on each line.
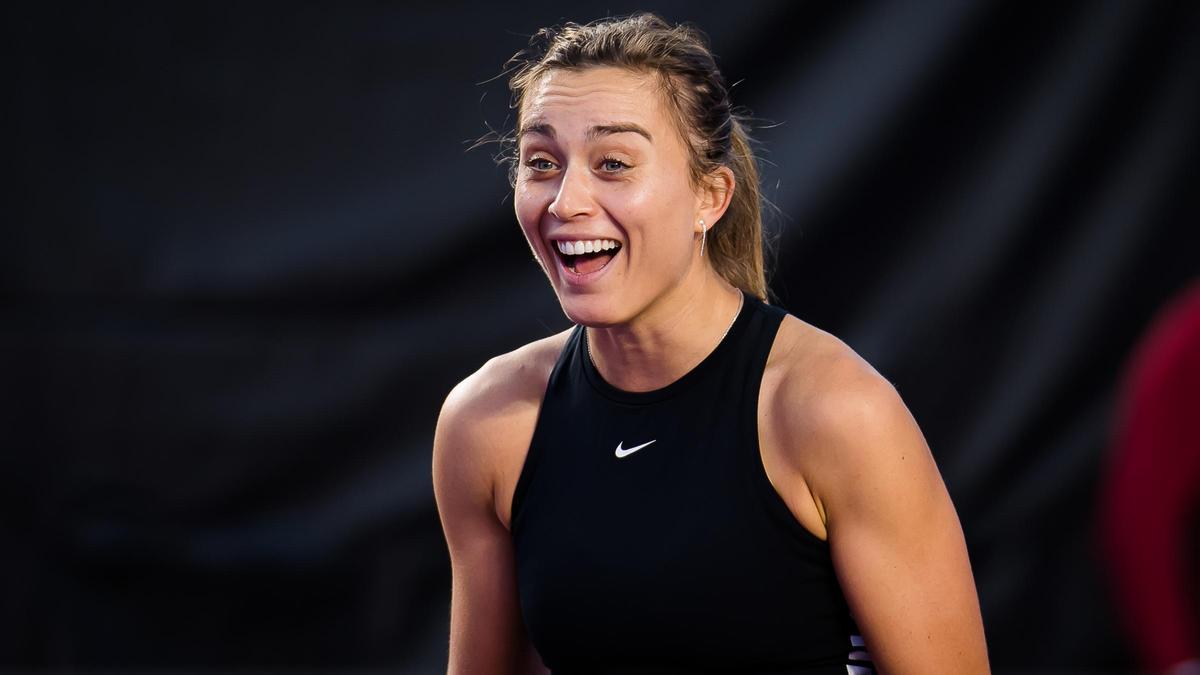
247	255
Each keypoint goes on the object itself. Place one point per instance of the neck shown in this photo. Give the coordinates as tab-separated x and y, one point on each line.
668	339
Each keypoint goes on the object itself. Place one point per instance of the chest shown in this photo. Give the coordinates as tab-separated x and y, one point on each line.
642	531
781	469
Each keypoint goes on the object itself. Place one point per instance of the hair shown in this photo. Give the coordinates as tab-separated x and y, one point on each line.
697	99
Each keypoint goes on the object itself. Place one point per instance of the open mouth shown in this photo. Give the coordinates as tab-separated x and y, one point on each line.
586	262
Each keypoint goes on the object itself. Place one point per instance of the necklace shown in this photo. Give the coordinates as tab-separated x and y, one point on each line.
741	301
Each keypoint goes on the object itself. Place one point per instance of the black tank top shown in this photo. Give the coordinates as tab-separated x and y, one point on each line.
648	538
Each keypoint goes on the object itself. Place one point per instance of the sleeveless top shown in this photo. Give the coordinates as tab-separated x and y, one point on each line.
648	538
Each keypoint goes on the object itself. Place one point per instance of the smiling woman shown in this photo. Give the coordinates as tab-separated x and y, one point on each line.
689	479
586	147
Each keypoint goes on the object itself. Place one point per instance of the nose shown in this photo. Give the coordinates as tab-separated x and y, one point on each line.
574	197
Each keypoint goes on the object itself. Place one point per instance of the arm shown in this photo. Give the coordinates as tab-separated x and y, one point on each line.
895	538
487	634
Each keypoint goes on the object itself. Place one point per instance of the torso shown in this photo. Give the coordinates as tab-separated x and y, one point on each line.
798	348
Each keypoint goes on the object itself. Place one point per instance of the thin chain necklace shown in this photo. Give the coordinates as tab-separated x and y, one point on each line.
741	300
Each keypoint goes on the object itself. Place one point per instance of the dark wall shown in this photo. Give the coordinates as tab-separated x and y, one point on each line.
247	255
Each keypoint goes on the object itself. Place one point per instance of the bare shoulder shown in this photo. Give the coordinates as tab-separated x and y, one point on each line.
481	438
487	420
818	377
833	413
895	539
847	447
505	384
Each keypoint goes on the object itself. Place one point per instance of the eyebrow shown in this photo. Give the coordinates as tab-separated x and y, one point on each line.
539	128
609	129
593	132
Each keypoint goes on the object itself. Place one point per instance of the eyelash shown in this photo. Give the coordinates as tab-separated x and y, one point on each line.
606	159
603	161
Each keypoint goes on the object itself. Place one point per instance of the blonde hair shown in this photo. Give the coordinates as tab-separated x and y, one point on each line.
698	100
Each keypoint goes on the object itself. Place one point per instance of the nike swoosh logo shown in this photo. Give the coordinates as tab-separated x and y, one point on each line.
622	452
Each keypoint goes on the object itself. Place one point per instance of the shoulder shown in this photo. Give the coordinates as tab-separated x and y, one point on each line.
482	419
823	379
839	420
507	381
503	387
895	540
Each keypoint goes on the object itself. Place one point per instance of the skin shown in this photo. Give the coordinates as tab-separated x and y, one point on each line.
660	308
836	440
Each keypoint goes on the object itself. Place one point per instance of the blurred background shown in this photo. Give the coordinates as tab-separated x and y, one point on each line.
248	254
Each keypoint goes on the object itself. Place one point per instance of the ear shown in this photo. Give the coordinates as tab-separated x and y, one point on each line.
715	196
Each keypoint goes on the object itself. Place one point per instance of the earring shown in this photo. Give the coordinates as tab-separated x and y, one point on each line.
703	235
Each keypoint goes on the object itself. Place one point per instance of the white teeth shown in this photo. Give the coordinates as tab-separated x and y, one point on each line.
585	246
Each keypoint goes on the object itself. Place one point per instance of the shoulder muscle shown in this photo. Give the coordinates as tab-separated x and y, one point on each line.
472	439
472	432
894	535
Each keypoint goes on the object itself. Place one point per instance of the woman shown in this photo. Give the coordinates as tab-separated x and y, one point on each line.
688	480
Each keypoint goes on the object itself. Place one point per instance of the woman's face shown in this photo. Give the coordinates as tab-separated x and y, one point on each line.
601	159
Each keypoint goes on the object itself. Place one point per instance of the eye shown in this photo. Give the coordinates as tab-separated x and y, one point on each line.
612	165
539	164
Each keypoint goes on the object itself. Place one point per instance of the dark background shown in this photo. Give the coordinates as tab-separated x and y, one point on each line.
247	256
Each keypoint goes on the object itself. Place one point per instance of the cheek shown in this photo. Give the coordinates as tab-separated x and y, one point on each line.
661	212
528	204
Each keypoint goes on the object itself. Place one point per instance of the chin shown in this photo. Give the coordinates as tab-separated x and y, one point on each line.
595	310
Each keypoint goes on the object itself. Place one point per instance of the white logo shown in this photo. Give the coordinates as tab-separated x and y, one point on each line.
621	452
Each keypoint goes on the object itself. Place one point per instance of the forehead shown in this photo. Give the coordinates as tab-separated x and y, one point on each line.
571	100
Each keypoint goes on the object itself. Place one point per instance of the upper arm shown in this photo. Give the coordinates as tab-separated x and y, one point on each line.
896	541
486	631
